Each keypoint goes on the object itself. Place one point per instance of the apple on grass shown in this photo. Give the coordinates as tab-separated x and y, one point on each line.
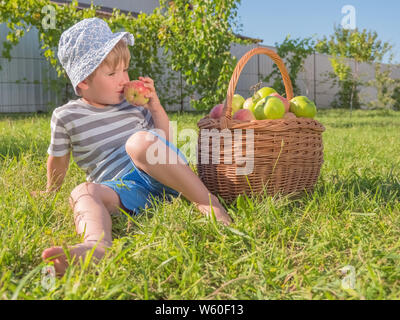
135	93
301	106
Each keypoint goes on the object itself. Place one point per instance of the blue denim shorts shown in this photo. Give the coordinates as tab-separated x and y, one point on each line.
137	189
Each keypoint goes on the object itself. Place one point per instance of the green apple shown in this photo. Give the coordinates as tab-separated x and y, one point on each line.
237	103
262	93
274	108
301	106
292	107
269	108
249	104
259	110
285	101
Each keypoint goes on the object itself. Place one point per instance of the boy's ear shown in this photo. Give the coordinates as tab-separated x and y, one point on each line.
83	85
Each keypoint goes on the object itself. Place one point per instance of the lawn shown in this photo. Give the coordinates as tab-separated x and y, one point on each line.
277	248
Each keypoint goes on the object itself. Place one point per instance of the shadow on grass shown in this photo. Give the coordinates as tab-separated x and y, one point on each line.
15	143
14	147
382	187
357	114
358	124
24	115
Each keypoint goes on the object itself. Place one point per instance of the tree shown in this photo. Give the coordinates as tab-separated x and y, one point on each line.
198	37
345	45
195	39
293	52
21	16
387	87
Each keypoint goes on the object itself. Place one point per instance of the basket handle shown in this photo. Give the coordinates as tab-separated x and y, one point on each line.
226	119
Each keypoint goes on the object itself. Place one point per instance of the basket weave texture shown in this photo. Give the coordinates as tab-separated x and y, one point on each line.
281	156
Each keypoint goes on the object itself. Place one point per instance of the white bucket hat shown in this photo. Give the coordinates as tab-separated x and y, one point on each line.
85	45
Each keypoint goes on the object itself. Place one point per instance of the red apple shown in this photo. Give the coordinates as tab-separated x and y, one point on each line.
135	93
243	115
216	112
284	100
289	115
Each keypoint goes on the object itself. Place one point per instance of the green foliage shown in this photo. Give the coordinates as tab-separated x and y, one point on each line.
193	40
22	15
145	57
386	87
197	38
396	96
351	45
293	52
348	94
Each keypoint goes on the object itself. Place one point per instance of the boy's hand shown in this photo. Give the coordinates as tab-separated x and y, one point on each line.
154	102
158	113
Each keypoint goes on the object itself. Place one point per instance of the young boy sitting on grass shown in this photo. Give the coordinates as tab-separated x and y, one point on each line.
108	138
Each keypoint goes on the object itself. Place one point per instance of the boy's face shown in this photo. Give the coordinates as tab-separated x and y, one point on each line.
106	87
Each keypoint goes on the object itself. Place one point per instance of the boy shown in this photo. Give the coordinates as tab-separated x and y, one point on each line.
109	138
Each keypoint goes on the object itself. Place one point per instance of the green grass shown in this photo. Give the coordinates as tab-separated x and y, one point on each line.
277	248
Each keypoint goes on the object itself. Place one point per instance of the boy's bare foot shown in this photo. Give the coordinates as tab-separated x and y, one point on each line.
219	211
58	257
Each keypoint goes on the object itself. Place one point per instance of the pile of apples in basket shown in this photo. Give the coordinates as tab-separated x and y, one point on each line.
266	103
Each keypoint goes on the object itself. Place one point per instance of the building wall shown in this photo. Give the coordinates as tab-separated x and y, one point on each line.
32	70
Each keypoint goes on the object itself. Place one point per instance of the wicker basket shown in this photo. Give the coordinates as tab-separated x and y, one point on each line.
287	154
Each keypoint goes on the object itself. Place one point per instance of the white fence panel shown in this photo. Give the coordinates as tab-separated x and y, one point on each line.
22	80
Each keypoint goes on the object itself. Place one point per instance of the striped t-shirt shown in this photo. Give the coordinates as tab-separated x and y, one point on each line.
97	136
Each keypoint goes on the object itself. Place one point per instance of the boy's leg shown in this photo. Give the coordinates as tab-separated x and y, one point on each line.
92	204
175	174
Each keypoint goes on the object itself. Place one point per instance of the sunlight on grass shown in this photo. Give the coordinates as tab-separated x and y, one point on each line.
277	248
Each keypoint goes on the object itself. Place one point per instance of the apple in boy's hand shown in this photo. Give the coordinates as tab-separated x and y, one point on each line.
262	93
237	103
284	100
301	106
135	93
243	115
216	112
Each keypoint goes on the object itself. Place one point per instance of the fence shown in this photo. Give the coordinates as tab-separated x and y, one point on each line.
312	80
32	94
31	70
